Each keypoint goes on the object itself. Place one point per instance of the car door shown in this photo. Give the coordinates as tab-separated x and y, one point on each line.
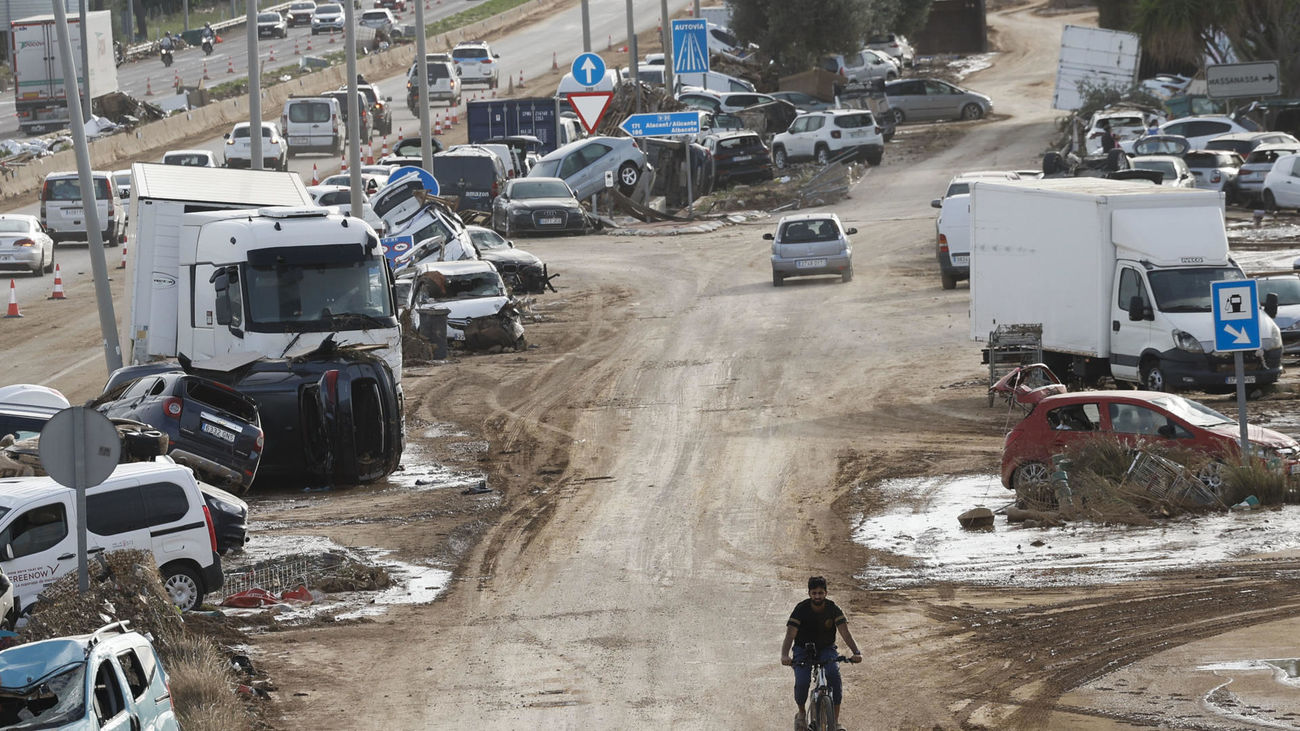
109	706
941	100
147	690
908	97
1134	423
1069	425
40	546
1128	337
586	177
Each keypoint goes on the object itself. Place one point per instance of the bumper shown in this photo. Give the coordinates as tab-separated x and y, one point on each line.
444	96
317	144
811	266
958	265
744	171
1192	370
861	152
21	259
327	27
267	162
532	221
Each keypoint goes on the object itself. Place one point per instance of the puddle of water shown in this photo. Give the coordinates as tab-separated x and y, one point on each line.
923	527
968	65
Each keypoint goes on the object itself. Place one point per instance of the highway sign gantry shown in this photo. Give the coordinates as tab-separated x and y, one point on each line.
1231	80
659	124
690	46
588	69
1235	303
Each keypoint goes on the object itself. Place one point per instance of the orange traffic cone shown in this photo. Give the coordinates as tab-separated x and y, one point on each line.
315	176
309	43
230	65
369	157
383	149
455	116
176	79
521	79
13	301
205	72
122	264
148	86
57	294
437	125
296	52
331	35
343	163
555	64
271	57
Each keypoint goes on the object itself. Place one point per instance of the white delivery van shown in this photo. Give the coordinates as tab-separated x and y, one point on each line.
312	124
64	216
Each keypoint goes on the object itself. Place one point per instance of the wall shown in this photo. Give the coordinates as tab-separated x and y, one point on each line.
954	26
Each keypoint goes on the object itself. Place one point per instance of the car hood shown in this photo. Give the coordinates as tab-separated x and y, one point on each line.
476	307
1257	434
21	666
1287	315
510	256
532	204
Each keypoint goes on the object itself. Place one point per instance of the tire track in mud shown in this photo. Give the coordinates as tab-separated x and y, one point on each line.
1028	657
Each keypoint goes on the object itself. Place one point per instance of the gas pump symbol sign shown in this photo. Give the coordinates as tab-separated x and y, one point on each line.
1236	314
1234	303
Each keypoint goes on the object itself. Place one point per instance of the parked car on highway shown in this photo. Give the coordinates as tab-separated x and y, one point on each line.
122	181
109	679
371	182
1126	125
583	163
476	63
538	204
830	135
721	101
25	245
1199	130
229	517
1057	422
312	124
1250	177
63	215
239	148
380	19
272	25
191	158
381	114
397	6
915	100
1282	184
809	244
470	289
1174	173
1287	289
952	225
738	156
328	18
522	272
1214	169
300	13
212	428
363	106
895	45
444	82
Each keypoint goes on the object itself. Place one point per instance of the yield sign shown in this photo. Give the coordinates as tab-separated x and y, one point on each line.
590	106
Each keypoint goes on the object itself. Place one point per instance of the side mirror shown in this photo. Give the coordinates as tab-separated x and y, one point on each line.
768	237
1270	304
1136	310
389	99
936	203
851	231
226	136
220	280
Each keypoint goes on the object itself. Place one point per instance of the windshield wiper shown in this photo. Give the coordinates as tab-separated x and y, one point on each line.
348	317
1186	308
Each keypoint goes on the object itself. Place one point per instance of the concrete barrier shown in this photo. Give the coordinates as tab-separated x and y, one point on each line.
119	150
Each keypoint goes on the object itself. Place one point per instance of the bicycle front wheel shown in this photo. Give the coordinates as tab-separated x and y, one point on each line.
825	713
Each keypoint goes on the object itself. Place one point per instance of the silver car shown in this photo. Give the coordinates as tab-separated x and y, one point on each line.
808	244
583	164
914	100
1214	169
25	245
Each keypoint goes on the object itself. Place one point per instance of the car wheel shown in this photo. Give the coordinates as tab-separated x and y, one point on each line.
874	158
949	281
778	157
39	269
972	111
890	76
628	175
49	266
899	116
777	279
823	156
1153	376
1270	201
183	585
1211	475
847	276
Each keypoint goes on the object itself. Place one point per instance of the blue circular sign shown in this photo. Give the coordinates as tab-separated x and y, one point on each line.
426	177
588	69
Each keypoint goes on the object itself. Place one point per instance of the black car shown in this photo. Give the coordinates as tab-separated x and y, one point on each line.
739	157
523	272
341	96
229	518
538	204
381	115
214	429
473	174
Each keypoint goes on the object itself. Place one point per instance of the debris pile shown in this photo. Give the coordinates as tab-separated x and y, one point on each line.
331	571
802	186
623	105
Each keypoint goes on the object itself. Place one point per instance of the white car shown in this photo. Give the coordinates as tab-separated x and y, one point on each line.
1214	169
192	158
380	19
952	226
327	18
444	82
583	164
722	101
476	63
827	135
1174	172
122	181
25	245
371	182
1287	289
1126	125
1200	130
239	149
1282	184
895	45
474	288
1250	177
861	68
1164	86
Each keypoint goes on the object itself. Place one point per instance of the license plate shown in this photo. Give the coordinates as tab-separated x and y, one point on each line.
299	141
810	263
743	158
550	221
858	133
1232	380
961	260
218	432
1295	468
4	257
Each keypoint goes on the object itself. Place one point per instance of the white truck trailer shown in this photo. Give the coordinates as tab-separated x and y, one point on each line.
240	261
40	97
1117	273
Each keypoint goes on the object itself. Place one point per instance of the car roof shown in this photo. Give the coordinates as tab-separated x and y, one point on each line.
72	174
807	217
1165	158
326	188
1273	146
463	266
984	175
471	43
1119	396
18	490
187	152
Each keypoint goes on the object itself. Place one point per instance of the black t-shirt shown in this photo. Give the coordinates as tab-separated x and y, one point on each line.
813	626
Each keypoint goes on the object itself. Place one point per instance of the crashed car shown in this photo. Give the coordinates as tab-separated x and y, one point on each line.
475	297
523	272
212	428
539	205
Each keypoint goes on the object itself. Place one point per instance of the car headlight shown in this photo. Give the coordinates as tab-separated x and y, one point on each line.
1186	341
226	507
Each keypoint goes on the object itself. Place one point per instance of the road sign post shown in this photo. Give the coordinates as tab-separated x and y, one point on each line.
1235	304
79	448
1232	80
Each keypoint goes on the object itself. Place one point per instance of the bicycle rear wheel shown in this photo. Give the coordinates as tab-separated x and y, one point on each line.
824	713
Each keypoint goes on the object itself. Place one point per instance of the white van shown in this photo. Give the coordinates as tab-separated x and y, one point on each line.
713	81
64	216
152	506
312	124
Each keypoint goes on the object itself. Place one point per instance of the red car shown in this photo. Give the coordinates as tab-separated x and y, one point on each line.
1058	421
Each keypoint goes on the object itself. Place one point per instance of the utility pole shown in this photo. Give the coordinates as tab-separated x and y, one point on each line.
85	63
422	88
666	35
632	55
354	109
255	92
586	27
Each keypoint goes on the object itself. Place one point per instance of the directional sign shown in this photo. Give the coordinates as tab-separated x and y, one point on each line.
669	123
588	69
426	177
1229	80
590	106
691	46
1236	315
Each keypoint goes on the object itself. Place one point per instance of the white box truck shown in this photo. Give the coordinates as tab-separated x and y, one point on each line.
1117	273
292	273
40	98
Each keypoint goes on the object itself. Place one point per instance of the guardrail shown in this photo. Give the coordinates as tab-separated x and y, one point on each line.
144	48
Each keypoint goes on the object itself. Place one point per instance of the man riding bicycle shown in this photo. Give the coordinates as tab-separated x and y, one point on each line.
815	621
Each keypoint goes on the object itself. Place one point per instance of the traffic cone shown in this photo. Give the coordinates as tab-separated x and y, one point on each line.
521	78
271	58
343	163
296	52
331	35
455	116
230	65
315	176
309	43
383	150
148	86
369	157
555	63
176	78
13	301
122	264
437	126
205	72
400	137
57	294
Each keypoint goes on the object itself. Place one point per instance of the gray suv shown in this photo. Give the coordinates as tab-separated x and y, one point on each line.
809	244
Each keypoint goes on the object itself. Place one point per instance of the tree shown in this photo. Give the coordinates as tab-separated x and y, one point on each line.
795	33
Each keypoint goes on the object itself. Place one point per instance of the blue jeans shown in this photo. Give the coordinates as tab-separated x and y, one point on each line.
803	675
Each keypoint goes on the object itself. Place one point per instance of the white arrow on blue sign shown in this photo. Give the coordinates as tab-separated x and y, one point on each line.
588	69
690	46
670	123
1236	314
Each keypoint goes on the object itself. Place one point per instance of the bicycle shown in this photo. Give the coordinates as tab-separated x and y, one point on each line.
821	716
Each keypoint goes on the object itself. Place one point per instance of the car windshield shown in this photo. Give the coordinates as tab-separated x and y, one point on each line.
1190	411
854	121
545	169
268	18
283	297
737	143
329	9
57	701
488	240
69	189
817	229
1287	289
476	284
957	189
539	189
302	6
1164	167
469	53
122	179
309	112
1187	290
374	15
1123	121
14	226
241	133
191	160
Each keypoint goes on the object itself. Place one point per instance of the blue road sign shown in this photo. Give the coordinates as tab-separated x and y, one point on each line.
395	246
691	46
1236	314
426	177
588	69
668	123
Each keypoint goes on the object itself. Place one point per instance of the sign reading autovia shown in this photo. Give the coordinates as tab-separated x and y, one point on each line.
1229	80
